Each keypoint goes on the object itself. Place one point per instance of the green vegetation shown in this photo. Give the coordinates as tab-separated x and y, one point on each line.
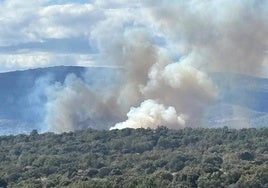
141	158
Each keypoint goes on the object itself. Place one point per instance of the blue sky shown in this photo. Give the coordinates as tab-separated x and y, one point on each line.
69	1
40	33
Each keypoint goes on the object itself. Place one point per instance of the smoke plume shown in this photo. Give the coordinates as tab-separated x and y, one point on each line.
151	114
165	52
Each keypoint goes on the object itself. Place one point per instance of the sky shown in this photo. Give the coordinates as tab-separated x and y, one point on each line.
41	33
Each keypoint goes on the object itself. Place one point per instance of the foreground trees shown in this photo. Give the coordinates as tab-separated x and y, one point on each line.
136	158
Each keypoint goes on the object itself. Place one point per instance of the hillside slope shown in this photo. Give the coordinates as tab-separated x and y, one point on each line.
23	94
242	101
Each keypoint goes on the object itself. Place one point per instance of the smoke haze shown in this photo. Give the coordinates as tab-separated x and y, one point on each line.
165	52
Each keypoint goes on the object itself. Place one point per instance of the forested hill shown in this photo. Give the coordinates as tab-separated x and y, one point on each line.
136	158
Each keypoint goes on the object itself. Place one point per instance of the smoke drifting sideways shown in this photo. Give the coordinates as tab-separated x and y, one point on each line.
165	51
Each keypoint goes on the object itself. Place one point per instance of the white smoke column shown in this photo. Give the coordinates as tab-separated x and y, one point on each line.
178	85
74	106
182	86
150	114
172	77
130	49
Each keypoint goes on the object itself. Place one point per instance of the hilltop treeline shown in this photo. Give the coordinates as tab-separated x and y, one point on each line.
136	158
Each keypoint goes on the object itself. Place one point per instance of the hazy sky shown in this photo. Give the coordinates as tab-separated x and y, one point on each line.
37	33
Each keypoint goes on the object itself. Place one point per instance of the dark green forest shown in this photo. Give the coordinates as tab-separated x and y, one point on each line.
142	158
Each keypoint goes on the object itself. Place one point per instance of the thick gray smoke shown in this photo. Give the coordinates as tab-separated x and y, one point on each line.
223	35
166	51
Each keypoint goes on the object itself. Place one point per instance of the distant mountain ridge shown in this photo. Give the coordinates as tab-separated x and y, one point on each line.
17	86
243	90
242	101
22	94
242	98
